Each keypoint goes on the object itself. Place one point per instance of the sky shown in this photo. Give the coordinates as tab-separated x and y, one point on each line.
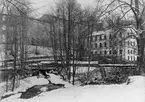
43	6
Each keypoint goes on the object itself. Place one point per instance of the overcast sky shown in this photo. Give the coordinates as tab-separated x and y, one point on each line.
43	6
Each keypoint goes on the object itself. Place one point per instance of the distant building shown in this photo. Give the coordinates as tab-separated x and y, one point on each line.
109	43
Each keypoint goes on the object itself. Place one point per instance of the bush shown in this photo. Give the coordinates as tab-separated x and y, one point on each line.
116	78
113	77
82	78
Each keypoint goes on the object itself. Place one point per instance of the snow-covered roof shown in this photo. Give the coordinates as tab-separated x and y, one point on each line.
101	32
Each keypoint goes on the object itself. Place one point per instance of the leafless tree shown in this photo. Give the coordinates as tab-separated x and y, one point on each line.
15	13
135	10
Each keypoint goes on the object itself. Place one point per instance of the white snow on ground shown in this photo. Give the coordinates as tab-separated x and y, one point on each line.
57	80
137	81
31	81
26	83
134	92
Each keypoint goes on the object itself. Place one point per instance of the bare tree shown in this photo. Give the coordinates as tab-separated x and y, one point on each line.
15	13
136	9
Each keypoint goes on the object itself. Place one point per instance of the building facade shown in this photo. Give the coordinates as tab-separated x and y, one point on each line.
118	44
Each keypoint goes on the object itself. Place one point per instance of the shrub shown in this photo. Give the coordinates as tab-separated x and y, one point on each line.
116	78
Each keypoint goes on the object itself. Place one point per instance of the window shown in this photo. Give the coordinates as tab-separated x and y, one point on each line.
115	52
105	44
104	37
131	51
128	52
128	43
134	58
96	45
100	37
92	52
110	52
96	38
100	45
95	52
105	52
120	51
133	43
134	52
128	58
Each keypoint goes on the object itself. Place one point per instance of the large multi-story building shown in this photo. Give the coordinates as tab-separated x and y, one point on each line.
119	44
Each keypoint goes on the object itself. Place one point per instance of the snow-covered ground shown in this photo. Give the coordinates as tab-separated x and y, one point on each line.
134	92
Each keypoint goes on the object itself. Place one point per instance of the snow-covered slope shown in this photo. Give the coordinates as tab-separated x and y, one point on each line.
57	80
24	84
134	92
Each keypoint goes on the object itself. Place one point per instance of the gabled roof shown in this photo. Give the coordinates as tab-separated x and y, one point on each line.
47	17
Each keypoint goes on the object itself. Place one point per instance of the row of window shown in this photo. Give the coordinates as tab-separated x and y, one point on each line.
131	58
131	52
115	52
108	52
131	43
100	45
104	44
104	37
99	37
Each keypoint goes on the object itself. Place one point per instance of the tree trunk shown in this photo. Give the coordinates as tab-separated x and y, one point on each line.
140	40
141	44
15	55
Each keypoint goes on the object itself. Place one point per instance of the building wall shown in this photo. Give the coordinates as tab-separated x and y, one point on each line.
103	44
131	50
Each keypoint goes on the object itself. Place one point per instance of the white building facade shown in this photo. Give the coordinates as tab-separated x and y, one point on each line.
110	43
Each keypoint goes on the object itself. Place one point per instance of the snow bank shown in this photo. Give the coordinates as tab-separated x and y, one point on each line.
92	93
57	80
31	81
137	81
25	84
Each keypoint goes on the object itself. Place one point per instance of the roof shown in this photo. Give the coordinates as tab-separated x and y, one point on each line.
102	32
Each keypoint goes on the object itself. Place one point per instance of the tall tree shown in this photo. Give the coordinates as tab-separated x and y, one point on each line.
136	8
15	13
